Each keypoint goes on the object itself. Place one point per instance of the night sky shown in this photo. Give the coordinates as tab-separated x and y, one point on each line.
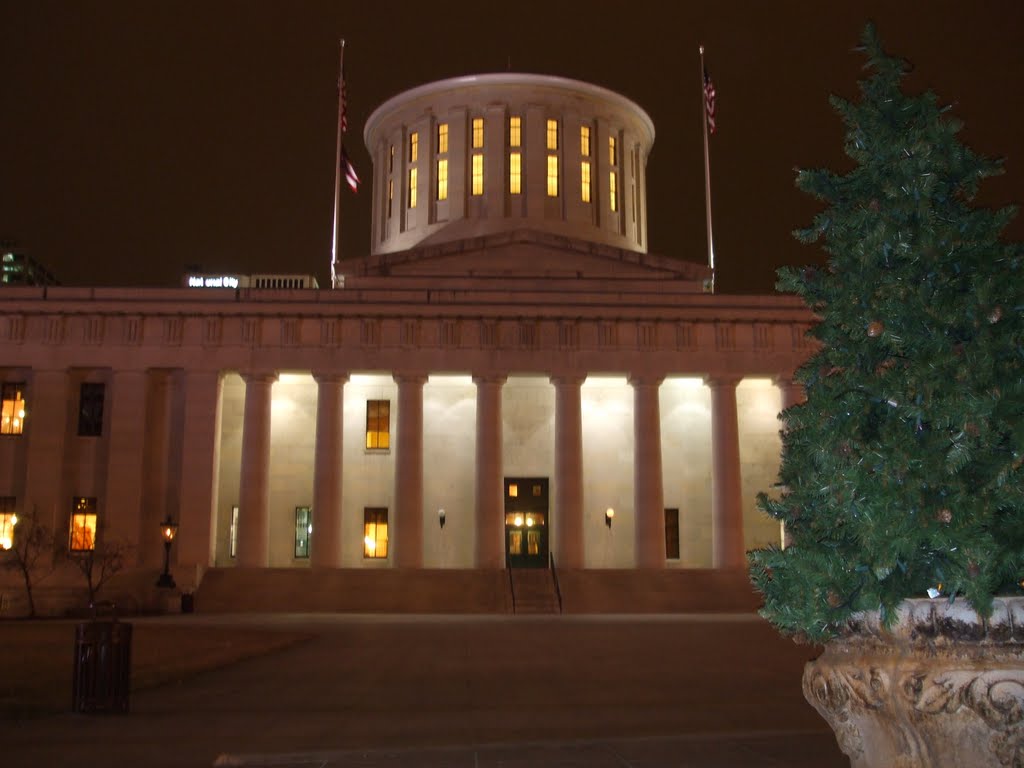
140	137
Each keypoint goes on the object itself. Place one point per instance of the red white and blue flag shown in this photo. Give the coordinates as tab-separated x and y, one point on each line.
351	178
709	101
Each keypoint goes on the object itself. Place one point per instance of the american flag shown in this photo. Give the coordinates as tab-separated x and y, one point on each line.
344	106
351	178
709	101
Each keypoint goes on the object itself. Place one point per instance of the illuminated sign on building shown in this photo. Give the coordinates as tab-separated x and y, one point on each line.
205	281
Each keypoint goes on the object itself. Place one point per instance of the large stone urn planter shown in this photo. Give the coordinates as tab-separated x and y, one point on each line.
939	688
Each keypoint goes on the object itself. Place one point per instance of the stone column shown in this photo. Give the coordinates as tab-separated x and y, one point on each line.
792	391
124	502
568	471
648	490
406	532
325	542
726	506
46	424
200	469
490	528
253	510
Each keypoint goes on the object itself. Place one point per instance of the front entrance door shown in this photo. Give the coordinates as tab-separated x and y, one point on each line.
526	521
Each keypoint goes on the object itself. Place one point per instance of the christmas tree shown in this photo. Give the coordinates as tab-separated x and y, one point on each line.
901	472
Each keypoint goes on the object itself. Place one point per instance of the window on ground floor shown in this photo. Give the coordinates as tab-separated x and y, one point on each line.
82	536
672	534
375	532
7	521
303	530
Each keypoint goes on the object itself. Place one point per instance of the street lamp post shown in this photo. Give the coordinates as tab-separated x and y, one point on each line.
168	530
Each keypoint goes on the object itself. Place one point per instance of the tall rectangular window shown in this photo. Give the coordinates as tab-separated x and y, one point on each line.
391	159
515	134
375	532
13	409
378	424
613	190
585	181
303	531
82	536
672	534
7	521
478	174
552	176
233	532
552	134
515	173
414	147
90	409
478	133
391	195
612	154
442	138
413	179
442	179
585	140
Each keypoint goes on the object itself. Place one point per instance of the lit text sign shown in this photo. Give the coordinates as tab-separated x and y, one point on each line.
201	281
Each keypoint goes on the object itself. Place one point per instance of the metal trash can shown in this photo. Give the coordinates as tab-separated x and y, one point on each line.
103	664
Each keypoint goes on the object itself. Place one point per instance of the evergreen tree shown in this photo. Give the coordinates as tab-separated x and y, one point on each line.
901	473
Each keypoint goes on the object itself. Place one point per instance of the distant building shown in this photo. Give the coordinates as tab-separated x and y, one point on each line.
508	379
18	268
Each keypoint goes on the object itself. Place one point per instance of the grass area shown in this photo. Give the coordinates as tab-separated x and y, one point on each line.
37	658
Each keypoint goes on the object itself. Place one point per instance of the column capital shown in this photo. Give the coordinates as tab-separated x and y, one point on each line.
258	376
646	379
567	379
490	378
409	377
325	377
723	380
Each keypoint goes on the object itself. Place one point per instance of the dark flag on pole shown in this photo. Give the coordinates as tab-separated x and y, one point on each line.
351	178
709	101
343	119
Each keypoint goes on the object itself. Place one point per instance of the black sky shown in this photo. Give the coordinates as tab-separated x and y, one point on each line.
139	137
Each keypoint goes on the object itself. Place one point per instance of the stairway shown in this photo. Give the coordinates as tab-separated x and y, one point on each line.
533	591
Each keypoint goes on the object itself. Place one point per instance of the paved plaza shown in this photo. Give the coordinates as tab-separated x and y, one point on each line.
701	691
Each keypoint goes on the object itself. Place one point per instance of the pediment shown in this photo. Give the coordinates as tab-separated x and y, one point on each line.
526	254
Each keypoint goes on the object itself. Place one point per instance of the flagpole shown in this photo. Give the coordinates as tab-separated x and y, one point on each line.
707	167
337	165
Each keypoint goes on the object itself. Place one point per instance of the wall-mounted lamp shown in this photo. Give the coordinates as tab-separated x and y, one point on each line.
608	515
168	530
440	517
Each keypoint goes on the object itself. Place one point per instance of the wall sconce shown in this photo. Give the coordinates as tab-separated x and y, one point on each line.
440	517
168	530
608	515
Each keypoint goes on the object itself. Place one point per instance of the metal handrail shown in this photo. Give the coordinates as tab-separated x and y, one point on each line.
554	576
511	584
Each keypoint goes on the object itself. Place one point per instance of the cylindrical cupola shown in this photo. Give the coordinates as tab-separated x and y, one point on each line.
484	154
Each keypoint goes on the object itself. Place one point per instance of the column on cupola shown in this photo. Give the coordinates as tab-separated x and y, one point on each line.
648	488
726	507
407	530
254	485
490	549
568	471
325	543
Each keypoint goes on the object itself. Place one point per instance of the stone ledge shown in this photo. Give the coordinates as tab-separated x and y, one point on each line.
923	622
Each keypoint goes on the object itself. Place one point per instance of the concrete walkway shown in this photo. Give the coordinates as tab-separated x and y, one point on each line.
702	691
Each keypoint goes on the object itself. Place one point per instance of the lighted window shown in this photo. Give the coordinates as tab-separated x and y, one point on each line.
442	179
378	424
233	532
82	536
413	178
478	174
303	530
585	140
552	176
90	409
391	159
515	173
552	134
442	139
478	132
515	136
391	195
613	191
612	155
7	522
672	534
13	409
585	181
414	147
513	490
375	532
